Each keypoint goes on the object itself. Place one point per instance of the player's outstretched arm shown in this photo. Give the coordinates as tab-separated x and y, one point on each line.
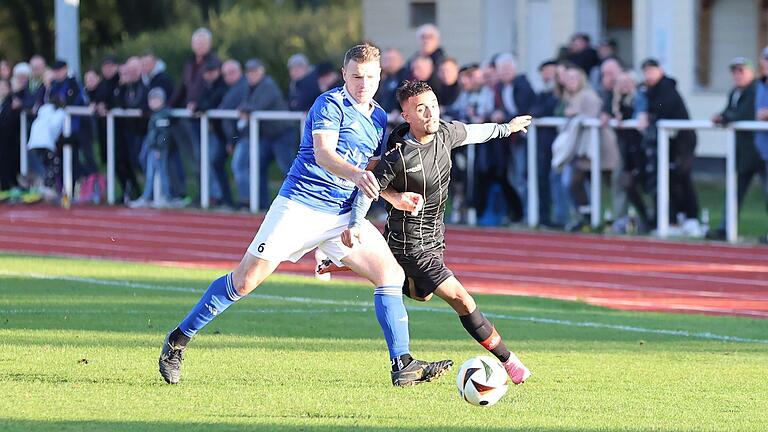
484	132
326	156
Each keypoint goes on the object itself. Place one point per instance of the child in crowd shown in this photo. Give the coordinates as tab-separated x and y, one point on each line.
156	145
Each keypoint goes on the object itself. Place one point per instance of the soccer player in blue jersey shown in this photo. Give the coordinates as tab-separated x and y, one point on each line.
343	133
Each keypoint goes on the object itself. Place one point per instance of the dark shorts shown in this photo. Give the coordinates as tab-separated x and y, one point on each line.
427	270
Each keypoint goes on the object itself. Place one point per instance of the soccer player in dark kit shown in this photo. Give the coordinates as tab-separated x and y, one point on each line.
418	160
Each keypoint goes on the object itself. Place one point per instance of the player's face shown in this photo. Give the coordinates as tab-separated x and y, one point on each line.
422	112
362	80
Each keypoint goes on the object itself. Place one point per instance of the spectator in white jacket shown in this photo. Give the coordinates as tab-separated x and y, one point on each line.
44	136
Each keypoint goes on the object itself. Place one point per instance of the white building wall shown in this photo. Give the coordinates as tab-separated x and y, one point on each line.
535	29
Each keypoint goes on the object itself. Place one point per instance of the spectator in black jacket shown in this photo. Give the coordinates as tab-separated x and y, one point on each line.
513	96
393	72
9	137
299	69
153	74
103	98
131	94
276	137
448	75
429	46
664	102
546	103
237	91
581	53
210	98
68	89
740	105
186	95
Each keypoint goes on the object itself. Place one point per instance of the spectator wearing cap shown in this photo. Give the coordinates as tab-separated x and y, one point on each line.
664	102
276	137
153	73
69	90
607	49
210	98
393	72
740	105
103	98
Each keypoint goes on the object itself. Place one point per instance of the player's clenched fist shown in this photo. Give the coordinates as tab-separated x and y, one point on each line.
409	202
520	123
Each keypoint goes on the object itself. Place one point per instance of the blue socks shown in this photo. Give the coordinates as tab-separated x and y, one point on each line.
387	300
393	319
216	299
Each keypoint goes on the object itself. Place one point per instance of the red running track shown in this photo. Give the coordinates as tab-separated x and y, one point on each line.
623	273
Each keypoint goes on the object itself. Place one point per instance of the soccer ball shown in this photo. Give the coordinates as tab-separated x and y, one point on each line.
482	381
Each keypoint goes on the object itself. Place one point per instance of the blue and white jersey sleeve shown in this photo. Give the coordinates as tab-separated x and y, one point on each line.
325	117
359	140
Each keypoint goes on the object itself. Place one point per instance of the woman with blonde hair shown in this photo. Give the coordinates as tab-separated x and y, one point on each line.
581	102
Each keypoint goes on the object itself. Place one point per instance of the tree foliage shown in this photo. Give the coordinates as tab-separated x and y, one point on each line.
258	28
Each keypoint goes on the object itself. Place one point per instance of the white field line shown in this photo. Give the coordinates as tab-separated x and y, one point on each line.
369	305
109	246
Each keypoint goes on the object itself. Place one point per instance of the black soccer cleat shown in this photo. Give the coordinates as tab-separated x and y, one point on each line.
170	361
418	372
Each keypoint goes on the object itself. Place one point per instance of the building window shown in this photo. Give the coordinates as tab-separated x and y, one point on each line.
423	12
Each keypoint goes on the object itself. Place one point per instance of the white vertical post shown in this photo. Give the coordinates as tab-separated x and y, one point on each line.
594	160
110	158
67	18
662	205
67	163
23	162
533	177
205	197
731	188
253	141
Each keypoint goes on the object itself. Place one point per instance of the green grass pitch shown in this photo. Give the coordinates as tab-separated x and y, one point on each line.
79	342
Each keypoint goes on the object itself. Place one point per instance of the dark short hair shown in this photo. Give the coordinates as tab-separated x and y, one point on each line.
410	88
551	62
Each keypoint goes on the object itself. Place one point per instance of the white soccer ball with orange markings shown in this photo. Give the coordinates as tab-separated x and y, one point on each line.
482	381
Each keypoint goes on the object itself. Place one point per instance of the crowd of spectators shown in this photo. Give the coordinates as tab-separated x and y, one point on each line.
581	82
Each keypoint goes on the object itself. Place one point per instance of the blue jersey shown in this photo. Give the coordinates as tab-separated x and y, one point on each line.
360	139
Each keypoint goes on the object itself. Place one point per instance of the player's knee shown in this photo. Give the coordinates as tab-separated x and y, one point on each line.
246	281
392	274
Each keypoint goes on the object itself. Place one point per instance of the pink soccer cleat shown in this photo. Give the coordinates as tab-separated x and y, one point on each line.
517	371
327	266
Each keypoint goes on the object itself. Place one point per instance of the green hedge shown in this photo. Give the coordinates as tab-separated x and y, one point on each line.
272	35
